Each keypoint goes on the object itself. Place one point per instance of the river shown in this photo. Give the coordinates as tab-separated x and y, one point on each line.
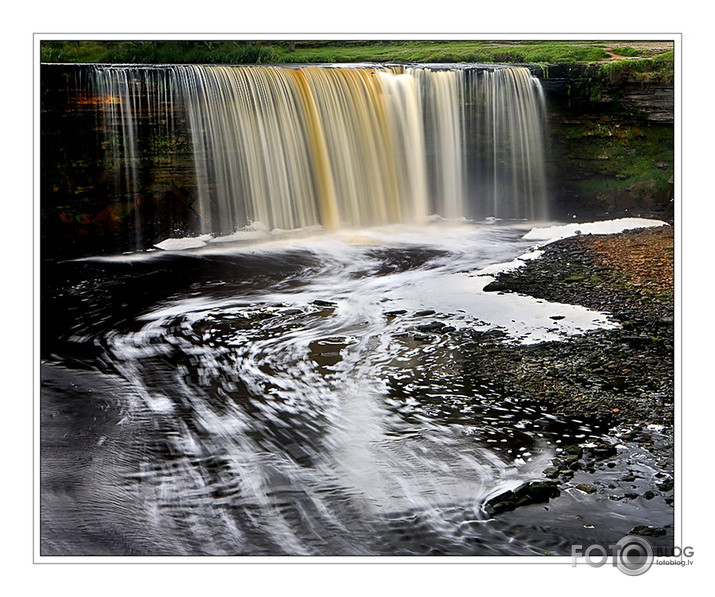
292	394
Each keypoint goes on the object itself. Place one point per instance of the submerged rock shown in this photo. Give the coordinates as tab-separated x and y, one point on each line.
586	488
647	531
322	303
528	493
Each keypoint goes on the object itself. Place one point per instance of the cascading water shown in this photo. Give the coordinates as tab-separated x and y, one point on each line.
305	394
507	164
294	148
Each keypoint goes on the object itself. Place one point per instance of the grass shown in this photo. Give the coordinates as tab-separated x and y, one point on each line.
627	51
658	68
319	51
157	52
626	156
448	51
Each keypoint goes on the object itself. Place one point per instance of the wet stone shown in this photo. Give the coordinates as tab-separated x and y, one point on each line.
552	472
496	286
603	450
647	531
586	488
566	461
435	326
574	450
422	337
666	485
528	493
322	303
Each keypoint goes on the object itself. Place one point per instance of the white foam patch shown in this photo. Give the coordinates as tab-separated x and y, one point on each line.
182	244
554	233
525	319
510	265
254	231
530	320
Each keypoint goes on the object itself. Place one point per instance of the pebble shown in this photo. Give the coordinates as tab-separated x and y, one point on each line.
586	488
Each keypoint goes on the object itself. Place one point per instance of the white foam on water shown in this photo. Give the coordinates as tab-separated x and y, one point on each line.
531	320
553	233
450	285
182	244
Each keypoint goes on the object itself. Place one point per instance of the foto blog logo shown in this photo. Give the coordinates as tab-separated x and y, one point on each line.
631	555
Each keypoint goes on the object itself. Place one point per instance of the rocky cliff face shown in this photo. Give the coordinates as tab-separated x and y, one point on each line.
88	203
612	144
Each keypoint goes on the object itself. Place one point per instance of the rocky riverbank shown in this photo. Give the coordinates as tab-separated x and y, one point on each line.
622	375
619	382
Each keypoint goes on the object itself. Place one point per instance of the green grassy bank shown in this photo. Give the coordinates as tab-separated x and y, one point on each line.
633	57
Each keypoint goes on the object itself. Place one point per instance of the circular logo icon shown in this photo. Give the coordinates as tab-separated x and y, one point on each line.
634	555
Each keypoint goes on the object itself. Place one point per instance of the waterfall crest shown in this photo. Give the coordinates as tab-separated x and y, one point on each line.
291	148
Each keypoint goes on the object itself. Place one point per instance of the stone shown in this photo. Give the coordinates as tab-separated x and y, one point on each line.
501	503
647	531
496	286
586	488
528	493
435	326
574	450
541	491
666	485
603	451
422	337
322	303
552	472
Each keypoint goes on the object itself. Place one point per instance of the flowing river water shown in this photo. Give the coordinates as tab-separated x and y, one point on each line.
291	396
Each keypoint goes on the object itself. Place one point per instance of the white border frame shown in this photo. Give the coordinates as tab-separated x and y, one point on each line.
675	38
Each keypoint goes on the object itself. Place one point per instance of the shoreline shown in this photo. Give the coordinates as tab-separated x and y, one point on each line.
624	375
619	382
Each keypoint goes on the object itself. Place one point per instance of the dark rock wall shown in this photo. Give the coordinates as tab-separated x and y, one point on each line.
611	151
87	204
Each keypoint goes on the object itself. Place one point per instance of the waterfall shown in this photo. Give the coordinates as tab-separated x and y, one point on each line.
117	109
507	161
291	148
